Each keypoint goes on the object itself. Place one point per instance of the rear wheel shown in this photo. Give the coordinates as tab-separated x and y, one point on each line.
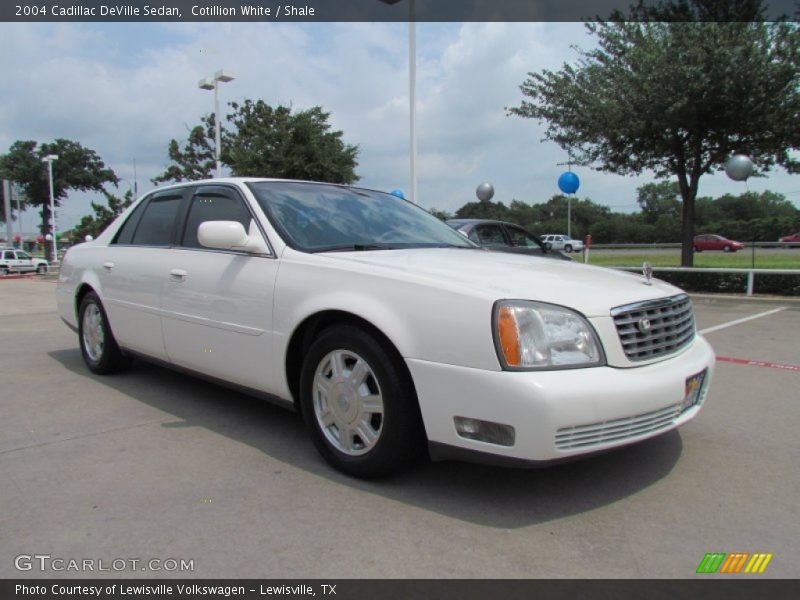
359	404
3	271
41	269
98	346
695	249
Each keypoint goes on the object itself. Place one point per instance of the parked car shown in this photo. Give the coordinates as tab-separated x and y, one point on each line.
710	241
499	236
557	241
19	261
792	238
390	332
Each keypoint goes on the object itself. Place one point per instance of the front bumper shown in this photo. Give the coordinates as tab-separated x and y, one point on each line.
620	405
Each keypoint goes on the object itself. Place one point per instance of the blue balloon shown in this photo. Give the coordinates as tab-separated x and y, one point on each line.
569	182
399	194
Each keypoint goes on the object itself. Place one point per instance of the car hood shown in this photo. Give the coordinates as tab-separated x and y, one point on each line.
590	290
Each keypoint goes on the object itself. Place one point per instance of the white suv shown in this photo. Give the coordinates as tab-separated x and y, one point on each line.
18	261
554	241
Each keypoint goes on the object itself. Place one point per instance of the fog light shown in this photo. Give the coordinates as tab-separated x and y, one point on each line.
484	431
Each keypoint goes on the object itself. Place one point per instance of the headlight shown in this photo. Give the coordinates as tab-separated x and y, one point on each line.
532	335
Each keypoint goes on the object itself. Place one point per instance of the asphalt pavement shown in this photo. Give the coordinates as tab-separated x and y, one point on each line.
155	465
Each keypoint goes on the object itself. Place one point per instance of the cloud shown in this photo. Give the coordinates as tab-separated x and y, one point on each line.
126	89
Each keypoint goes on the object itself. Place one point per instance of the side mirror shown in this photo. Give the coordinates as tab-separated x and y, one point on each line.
230	235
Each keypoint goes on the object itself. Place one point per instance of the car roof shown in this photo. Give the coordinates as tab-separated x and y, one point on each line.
460	222
243	180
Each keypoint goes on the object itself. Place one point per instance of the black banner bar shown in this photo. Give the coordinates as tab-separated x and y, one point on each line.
705	587
276	11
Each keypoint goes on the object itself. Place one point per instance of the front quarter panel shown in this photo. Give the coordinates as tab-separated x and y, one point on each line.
422	318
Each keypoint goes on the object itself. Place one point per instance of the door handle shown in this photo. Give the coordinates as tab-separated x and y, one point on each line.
108	266
178	274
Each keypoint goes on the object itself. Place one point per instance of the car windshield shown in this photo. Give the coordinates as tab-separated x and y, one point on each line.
315	217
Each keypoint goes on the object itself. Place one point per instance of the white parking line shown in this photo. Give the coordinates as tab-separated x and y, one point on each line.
742	320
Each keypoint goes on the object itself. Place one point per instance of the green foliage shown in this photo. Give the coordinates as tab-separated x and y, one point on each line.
677	98
196	159
262	141
442	215
103	216
749	216
77	168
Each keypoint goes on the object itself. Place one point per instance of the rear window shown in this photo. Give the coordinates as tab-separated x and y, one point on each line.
158	222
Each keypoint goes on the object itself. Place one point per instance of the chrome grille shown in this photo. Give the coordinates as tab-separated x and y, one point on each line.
656	328
616	430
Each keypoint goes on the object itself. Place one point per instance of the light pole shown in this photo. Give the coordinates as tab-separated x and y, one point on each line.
412	92
212	83
49	160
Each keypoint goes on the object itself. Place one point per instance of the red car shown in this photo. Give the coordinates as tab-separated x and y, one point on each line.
709	241
794	238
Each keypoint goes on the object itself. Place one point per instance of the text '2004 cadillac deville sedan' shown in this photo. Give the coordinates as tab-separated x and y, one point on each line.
390	332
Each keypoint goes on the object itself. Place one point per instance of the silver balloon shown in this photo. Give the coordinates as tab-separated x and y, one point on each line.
484	192
739	167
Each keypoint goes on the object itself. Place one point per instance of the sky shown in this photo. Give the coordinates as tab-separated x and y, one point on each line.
126	89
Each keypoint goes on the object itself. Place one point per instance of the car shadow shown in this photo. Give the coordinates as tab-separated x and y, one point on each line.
489	496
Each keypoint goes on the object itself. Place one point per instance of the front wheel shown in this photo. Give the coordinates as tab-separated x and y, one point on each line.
727	249
568	248
695	249
41	269
359	403
98	346
3	271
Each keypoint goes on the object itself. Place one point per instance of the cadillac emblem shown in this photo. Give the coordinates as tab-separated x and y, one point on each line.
647	271
644	325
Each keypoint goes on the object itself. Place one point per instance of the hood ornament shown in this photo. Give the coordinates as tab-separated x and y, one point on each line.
647	271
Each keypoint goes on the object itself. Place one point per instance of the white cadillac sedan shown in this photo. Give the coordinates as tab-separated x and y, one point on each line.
390	332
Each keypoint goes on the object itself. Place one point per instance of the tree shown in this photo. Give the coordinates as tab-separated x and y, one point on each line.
263	141
103	215
196	160
77	168
442	215
677	98
659	200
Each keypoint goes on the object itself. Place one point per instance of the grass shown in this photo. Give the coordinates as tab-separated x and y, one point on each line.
785	259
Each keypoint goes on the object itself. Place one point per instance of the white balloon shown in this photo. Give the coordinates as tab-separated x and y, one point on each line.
484	191
739	167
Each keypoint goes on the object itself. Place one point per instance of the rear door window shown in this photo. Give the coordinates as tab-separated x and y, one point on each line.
157	224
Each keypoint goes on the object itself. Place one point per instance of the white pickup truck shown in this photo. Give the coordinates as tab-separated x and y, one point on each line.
18	261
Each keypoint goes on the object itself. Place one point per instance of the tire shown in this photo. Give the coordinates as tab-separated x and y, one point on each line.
41	269
548	245
98	347
696	249
726	249
3	271
359	404
568	248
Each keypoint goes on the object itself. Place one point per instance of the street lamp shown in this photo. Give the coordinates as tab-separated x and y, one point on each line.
49	160
412	91
212	83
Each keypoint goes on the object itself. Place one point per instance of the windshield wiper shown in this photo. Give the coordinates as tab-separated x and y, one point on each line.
355	248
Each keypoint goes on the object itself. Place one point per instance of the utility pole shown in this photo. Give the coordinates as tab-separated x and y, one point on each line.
7	206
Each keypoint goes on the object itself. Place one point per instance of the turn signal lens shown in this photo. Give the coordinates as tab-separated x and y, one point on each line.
509	336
